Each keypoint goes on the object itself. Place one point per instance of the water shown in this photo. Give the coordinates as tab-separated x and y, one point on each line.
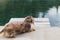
53	15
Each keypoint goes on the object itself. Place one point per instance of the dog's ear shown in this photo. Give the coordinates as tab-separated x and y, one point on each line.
27	27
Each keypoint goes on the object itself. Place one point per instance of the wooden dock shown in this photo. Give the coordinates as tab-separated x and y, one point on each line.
43	31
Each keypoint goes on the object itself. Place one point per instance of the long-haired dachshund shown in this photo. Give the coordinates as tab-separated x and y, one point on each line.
13	28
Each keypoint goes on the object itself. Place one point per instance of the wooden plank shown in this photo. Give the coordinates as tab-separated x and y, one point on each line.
36	35
37	20
52	33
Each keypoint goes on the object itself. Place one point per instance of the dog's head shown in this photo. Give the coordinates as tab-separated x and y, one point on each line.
29	19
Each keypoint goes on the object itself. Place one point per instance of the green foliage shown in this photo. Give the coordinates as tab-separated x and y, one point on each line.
23	8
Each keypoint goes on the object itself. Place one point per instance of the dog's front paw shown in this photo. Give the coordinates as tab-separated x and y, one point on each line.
32	30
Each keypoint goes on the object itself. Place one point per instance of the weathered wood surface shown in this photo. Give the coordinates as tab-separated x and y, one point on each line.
43	32
38	21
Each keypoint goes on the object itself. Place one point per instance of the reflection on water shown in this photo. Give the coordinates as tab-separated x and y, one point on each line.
53	15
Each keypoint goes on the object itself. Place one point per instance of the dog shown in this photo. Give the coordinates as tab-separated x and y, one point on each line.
13	28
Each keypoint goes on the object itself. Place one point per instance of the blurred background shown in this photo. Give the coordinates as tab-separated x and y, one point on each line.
36	8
